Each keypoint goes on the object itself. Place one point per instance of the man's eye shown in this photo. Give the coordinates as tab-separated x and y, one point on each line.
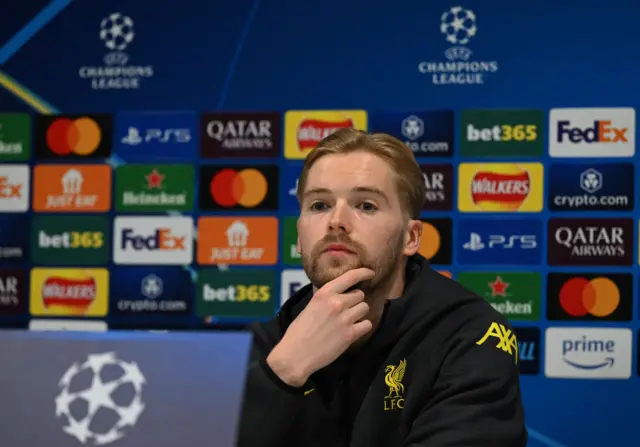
318	206
368	207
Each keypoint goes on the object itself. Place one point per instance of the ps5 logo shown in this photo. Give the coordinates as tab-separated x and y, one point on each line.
134	136
506	242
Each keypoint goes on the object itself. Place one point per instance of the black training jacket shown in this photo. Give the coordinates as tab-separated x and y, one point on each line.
439	371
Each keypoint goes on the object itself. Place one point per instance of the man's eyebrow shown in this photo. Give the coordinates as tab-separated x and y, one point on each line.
361	189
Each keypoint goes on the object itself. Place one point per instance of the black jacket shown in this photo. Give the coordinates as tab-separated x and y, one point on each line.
439	371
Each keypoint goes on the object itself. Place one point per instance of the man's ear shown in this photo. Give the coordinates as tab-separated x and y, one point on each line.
412	238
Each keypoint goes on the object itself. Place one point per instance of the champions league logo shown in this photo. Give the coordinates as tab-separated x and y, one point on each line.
459	27
116	33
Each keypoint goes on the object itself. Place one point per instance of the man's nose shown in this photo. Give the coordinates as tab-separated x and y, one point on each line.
340	218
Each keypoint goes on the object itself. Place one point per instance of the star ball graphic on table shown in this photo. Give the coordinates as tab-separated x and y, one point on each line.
151	291
503	242
14	238
428	133
141	136
73	137
241	135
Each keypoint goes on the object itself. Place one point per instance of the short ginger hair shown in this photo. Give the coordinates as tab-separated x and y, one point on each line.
409	180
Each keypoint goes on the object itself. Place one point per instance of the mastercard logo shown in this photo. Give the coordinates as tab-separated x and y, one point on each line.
598	297
430	242
246	188
80	136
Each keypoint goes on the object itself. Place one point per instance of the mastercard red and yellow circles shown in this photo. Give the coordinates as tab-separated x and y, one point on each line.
79	136
247	188
598	297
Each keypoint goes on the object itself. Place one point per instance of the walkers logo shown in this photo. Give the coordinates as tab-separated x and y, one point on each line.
438	180
597	133
15	137
507	341
601	296
13	292
72	188
305	129
291	281
14	237
239	187
289	188
588	353
70	240
590	187
516	295
528	349
238	240
156	135
239	135
15	184
153	240
73	137
138	291
427	133
154	188
394	375
590	242
69	292
435	244
238	294
116	33
502	133
499	242
458	26
290	255
500	187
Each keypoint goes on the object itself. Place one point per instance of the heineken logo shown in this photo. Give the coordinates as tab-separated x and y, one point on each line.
155	188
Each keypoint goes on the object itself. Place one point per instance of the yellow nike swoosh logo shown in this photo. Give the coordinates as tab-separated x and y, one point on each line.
309	391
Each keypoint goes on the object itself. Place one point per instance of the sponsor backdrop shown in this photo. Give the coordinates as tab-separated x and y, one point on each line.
148	177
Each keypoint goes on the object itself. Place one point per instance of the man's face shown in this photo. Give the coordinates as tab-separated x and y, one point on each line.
350	217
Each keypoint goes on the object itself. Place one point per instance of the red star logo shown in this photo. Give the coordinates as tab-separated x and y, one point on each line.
498	287
154	180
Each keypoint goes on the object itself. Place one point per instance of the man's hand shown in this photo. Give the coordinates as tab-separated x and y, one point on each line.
330	323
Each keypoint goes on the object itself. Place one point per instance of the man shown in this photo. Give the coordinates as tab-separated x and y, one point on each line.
380	349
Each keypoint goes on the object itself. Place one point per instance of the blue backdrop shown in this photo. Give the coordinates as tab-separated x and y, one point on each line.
251	55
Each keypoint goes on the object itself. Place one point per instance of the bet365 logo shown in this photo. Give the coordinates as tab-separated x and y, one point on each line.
504	132
237	293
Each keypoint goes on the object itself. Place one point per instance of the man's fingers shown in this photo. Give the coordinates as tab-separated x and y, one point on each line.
352	298
357	312
360	329
346	280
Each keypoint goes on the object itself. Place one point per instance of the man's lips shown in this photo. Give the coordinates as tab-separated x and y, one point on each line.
332	248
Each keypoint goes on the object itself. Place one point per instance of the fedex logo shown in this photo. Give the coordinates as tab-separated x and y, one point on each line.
153	240
592	132
291	281
602	131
